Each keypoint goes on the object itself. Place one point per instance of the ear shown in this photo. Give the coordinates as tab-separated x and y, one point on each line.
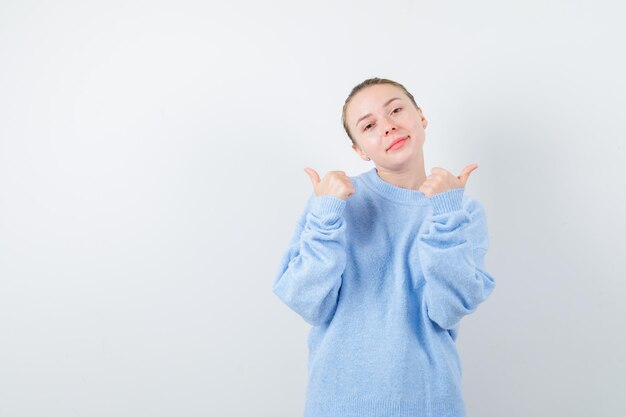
360	152
423	120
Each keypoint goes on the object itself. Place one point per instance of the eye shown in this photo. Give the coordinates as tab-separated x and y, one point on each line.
397	110
368	126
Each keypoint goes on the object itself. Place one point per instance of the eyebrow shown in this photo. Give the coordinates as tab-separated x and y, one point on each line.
369	114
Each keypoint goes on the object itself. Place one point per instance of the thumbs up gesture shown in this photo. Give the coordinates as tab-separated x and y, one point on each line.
335	183
442	180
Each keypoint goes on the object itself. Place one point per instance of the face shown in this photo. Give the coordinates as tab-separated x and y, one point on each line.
380	115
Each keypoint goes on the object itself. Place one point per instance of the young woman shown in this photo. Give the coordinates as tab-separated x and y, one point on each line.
384	266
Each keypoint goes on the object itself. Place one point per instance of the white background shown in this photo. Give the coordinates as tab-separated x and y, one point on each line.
151	173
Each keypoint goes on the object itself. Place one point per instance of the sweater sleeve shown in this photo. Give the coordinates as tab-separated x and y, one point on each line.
310	271
452	254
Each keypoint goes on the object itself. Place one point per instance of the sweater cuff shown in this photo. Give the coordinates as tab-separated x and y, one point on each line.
328	207
447	201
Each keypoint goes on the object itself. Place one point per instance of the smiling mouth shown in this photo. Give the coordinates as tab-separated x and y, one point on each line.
398	142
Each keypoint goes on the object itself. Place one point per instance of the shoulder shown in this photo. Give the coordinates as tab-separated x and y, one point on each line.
323	207
475	209
471	204
357	180
478	221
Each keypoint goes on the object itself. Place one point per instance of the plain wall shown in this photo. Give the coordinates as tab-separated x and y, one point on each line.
151	174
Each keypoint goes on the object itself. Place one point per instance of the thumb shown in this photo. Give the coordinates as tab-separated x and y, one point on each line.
315	178
466	173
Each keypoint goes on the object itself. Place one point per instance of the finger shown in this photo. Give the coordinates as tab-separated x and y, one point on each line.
468	169
466	173
437	170
425	190
315	178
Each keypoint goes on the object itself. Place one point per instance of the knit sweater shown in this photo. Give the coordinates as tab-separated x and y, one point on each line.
384	279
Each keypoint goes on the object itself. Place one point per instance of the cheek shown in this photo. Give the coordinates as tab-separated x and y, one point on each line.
367	139
372	142
413	120
416	123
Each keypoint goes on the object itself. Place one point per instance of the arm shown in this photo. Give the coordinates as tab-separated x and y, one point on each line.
452	253
309	276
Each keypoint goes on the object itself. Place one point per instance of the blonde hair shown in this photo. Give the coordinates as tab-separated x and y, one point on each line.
367	83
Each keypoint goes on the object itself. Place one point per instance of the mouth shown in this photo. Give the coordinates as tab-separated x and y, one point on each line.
399	141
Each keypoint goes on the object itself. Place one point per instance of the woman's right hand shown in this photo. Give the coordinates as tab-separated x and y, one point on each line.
335	183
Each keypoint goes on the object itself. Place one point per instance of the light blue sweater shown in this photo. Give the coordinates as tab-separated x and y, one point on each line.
385	278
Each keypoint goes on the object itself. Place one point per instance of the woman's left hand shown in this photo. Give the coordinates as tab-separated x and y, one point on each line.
443	180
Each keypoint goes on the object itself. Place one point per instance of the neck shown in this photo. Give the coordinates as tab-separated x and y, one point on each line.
410	177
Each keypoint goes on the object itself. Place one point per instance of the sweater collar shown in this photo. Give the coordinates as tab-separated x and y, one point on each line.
393	192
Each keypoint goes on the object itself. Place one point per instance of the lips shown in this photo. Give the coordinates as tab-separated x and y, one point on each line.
396	141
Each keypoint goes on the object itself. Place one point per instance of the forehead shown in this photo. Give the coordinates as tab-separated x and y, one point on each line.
372	98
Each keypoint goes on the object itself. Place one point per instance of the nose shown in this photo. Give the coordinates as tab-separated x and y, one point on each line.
389	125
389	129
